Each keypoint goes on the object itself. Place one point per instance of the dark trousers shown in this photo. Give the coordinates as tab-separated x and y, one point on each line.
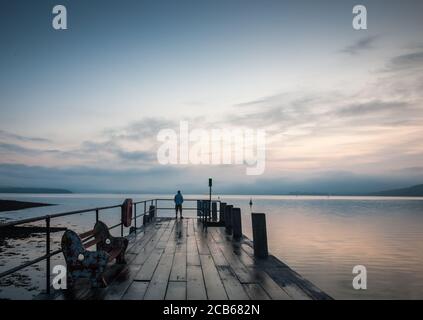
178	207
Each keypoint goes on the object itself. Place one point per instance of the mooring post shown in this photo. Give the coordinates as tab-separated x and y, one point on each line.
228	219
222	212
214	211
259	235
236	223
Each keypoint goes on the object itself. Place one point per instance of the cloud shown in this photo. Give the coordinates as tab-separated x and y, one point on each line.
15	148
4	135
371	107
140	130
360	45
413	60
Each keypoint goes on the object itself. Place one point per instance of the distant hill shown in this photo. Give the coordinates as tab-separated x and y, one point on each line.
32	190
414	191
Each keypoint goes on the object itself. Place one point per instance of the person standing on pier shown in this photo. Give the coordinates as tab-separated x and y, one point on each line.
179	199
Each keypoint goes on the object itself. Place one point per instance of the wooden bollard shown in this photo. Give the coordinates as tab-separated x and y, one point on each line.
259	235
214	211
228	219
236	223
222	212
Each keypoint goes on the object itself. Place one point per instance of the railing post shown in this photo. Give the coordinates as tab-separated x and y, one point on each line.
222	211
135	216
96	215
236	223
48	254
151	212
156	209
259	235
228	219
121	224
144	217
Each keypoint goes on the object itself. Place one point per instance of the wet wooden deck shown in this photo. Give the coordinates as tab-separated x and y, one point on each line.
177	260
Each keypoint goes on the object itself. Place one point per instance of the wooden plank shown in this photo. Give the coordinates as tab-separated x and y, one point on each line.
242	273
214	285
255	291
202	238
124	279
286	279
269	285
233	288
158	284
179	267
136	291
165	238
140	239
218	257
196	289
176	290
145	252
120	285
193	259
147	270
179	232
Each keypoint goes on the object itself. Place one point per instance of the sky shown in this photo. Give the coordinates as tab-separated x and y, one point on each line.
81	108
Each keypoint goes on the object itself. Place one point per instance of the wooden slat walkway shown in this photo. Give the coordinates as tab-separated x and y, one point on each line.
177	260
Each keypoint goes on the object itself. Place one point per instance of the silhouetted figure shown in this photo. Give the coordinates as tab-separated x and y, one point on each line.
179	199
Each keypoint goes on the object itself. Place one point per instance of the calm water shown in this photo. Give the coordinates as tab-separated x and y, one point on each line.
321	238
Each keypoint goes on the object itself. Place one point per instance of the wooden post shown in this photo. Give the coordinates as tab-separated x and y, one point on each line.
214	211
259	235
236	223
228	219
222	212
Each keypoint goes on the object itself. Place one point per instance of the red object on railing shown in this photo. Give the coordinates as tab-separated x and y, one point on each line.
127	213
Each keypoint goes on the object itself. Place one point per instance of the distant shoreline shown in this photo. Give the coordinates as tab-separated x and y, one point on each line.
34	190
12	205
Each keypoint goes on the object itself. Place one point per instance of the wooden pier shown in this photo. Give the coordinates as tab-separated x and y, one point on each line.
179	260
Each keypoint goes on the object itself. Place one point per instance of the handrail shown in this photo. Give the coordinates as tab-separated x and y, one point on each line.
47	219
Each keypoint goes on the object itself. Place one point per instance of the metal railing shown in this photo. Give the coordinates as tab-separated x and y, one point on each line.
47	219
